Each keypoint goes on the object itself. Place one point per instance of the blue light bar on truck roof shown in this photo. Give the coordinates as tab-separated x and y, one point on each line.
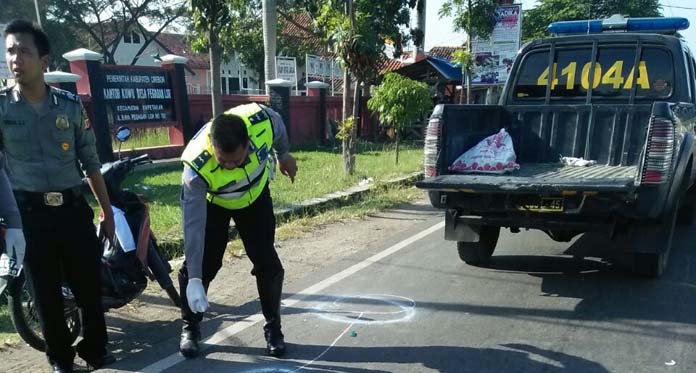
618	22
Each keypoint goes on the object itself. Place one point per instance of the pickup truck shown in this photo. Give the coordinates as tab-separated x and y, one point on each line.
635	118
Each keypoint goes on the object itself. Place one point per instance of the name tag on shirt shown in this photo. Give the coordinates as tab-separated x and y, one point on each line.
13	122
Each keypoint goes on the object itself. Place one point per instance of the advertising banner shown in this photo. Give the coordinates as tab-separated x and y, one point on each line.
493	57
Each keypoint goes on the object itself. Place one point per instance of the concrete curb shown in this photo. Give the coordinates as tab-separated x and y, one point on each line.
313	206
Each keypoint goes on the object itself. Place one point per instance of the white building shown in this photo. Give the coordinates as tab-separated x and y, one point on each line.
236	78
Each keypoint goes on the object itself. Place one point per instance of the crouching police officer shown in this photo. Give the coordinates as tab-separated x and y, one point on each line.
226	175
45	136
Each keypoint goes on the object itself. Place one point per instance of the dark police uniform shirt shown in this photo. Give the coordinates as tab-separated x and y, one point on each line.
45	148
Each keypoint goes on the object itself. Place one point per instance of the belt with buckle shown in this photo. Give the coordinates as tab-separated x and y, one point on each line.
50	199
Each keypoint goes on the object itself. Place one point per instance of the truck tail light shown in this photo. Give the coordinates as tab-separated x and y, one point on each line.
432	147
659	151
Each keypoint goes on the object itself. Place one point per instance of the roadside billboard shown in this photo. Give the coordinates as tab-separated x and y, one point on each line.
324	70
286	69
493	57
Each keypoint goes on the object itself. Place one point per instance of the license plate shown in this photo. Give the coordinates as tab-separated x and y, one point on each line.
542	205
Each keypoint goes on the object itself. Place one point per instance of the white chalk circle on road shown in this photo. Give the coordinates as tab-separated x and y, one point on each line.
365	309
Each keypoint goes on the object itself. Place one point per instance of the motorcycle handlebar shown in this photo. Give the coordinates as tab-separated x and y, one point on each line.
141	159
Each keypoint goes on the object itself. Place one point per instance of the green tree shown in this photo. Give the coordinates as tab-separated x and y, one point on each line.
62	39
106	21
463	59
476	18
536	20
245	35
400	102
358	30
211	18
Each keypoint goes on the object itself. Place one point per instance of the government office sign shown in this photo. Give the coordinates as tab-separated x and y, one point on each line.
140	96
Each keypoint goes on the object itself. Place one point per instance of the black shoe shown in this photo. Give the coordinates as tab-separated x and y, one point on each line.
275	344
188	346
101	361
58	368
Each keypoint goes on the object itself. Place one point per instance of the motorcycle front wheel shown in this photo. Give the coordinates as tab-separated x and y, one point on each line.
24	315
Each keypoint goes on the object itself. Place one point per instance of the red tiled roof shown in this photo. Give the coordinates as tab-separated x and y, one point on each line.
443	52
389	65
298	31
178	45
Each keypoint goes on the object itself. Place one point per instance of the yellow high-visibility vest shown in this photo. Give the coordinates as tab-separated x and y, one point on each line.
237	188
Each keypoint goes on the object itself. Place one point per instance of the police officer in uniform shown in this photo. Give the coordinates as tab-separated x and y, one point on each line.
227	168
46	138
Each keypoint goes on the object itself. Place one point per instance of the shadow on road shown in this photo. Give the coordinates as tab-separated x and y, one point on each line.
587	271
508	358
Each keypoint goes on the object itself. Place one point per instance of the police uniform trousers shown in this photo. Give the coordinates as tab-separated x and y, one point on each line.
62	246
256	226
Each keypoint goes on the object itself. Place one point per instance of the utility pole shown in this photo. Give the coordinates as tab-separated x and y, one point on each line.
38	15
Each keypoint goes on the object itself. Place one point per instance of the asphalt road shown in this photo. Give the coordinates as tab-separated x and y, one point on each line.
406	303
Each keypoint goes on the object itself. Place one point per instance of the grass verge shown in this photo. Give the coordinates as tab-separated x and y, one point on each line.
145	137
320	172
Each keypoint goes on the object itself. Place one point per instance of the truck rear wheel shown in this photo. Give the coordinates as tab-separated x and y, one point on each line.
649	264
479	252
685	216
653	265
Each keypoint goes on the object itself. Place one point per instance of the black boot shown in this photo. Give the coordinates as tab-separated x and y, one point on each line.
275	343
270	291
191	330
190	336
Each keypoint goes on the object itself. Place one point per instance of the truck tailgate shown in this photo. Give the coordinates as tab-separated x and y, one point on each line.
540	178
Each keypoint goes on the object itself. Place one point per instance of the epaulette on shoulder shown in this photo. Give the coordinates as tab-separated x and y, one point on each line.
201	160
65	95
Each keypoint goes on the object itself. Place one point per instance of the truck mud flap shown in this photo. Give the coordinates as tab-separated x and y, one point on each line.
458	230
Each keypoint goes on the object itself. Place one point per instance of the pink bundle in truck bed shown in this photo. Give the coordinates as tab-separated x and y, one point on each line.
495	155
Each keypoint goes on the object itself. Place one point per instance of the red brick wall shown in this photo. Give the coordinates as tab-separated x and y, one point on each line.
304	120
304	116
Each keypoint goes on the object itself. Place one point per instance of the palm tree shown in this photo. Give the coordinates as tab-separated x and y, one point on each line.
270	23
418	31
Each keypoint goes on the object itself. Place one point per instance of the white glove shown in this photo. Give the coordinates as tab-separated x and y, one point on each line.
195	293
15	246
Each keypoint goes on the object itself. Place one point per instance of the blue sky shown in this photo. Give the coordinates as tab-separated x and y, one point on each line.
439	31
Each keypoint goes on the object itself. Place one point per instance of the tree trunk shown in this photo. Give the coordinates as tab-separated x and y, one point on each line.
420	25
215	57
270	23
348	153
396	136
346	94
349	158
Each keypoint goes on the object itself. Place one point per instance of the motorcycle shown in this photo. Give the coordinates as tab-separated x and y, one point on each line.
125	273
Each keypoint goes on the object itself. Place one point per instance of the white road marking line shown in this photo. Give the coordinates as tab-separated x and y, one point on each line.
330	346
239	326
